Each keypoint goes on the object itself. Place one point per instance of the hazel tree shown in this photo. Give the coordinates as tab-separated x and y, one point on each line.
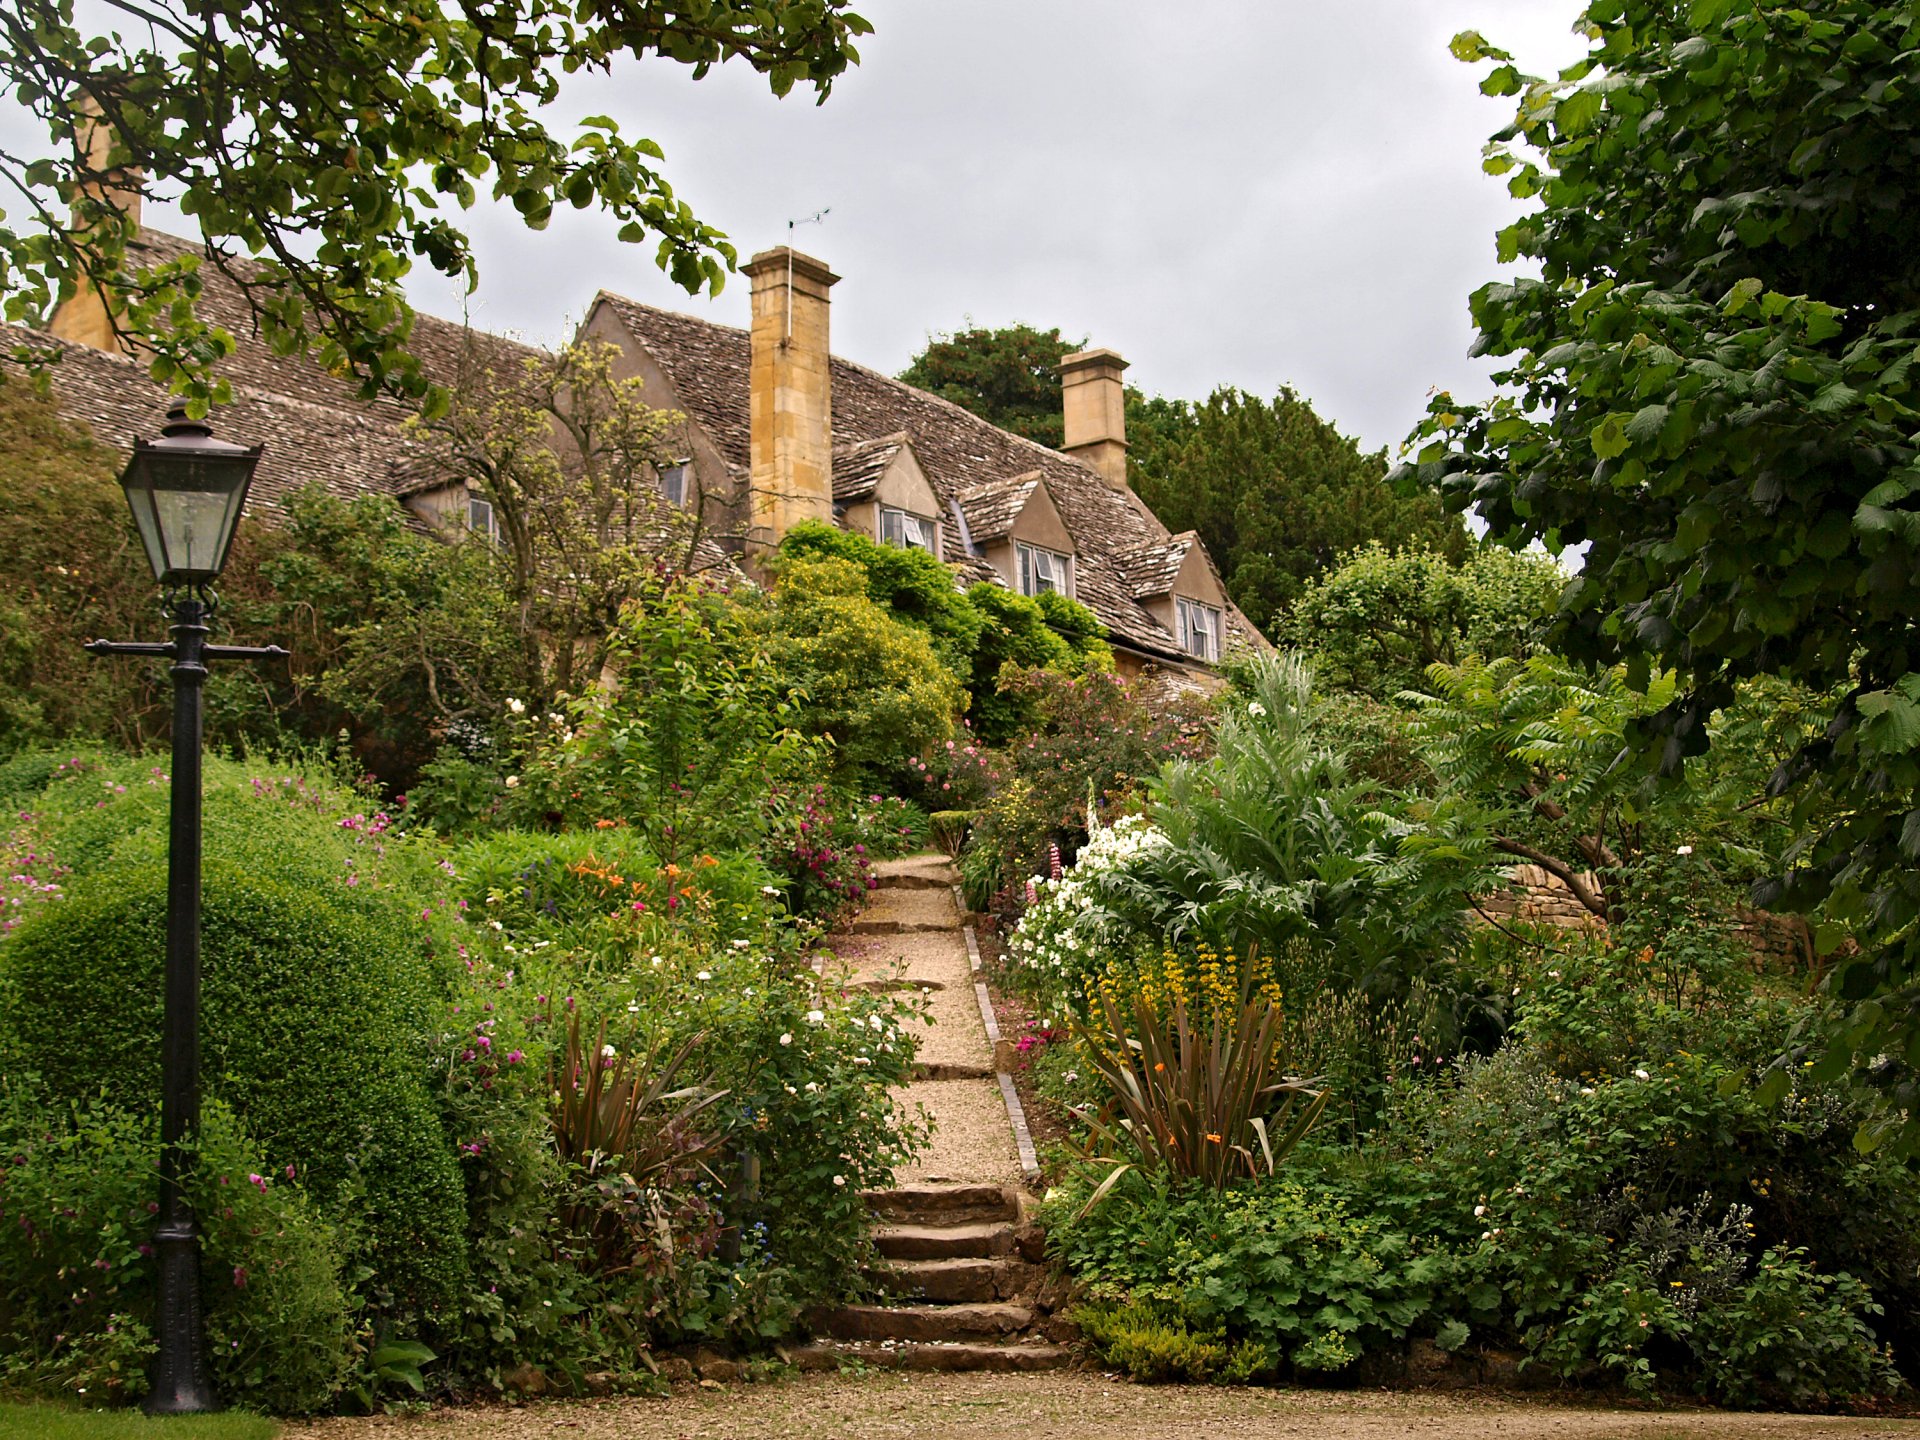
1711	386
322	149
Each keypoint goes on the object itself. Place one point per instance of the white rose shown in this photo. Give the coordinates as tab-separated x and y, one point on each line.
786	1038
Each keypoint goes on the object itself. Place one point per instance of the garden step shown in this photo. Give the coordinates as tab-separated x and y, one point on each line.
884	925
912	880
950	1070
962	1204
943	1242
927	1323
955	1282
828	1355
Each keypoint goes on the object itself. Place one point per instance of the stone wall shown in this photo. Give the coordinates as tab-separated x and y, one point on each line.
1543	899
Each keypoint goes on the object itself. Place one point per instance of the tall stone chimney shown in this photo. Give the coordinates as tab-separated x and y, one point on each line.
790	396
1096	405
83	317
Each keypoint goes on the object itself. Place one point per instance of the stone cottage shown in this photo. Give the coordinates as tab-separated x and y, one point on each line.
777	430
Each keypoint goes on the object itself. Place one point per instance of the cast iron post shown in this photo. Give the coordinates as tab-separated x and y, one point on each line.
180	1384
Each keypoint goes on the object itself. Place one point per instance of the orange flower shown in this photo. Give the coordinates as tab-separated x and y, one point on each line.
605	824
1159	1065
1213	1137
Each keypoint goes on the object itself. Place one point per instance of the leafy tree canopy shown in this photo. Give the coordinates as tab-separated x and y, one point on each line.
1376	622
1711	385
1277	494
321	152
1010	376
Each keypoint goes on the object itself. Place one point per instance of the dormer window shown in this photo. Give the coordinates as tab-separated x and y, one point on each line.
1044	570
480	517
908	531
673	481
1199	628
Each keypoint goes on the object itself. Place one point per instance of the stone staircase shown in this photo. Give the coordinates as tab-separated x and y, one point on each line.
961	1285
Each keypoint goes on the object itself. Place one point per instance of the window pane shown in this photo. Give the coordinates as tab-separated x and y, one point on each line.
673	483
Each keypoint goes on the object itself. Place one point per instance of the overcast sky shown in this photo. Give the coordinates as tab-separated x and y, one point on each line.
1243	192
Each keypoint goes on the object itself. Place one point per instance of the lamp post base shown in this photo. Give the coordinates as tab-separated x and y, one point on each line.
180	1382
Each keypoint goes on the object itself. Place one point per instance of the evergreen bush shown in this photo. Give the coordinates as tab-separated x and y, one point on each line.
317	987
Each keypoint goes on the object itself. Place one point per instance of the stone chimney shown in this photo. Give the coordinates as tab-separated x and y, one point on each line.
1096	405
83	317
790	396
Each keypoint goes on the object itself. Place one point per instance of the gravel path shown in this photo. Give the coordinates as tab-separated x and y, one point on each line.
1076	1406
972	1139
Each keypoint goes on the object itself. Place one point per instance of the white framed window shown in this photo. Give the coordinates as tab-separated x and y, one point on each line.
1044	570
673	481
908	531
1199	627
480	517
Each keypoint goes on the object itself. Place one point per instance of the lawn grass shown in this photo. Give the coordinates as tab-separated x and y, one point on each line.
53	1422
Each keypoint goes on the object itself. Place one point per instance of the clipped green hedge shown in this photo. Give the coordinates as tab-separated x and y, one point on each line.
315	1002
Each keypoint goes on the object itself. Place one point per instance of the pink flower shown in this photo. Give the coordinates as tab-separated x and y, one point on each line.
514	1057
259	1181
239	1277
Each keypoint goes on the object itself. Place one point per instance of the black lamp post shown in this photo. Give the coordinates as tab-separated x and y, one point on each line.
186	490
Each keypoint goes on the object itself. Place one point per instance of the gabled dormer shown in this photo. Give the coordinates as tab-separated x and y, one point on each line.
1175	582
1016	526
880	490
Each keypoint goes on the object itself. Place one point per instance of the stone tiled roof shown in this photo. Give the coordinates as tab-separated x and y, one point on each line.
451	354
351	449
960	453
857	468
1151	570
313	423
992	508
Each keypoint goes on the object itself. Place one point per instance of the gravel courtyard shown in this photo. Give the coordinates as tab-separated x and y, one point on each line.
1076	1406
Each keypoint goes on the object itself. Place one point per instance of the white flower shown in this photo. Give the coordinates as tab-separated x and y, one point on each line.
813	1087
512	780
1478	1211
741	944
1641	1075
518	707
656	960
874	1022
815	1017
840	1180
1486	1234
1256	709
786	1037
792	1091
1684	850
607	1052
704	975
773	890
861	1060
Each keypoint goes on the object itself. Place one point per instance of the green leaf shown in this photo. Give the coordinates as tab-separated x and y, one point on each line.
1577	113
1609	438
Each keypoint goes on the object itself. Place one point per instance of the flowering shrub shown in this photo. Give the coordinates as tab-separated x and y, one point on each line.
1095	742
29	878
1066	942
813	848
77	1199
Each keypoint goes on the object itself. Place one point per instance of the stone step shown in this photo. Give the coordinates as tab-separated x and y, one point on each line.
887	925
950	1070
829	1354
888	984
943	1242
931	1324
955	1282
915	880
959	1204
